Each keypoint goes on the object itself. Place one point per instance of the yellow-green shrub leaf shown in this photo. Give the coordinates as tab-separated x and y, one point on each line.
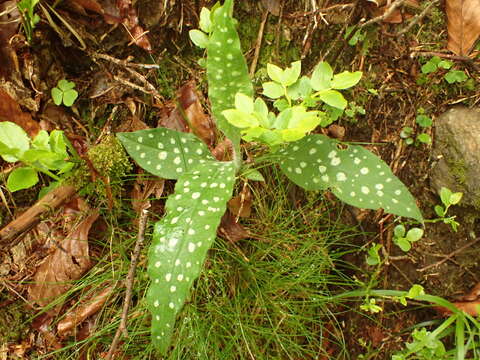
346	80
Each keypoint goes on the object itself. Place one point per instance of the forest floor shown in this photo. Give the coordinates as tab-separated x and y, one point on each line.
268	293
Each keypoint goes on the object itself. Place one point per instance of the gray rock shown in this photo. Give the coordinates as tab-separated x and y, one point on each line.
457	146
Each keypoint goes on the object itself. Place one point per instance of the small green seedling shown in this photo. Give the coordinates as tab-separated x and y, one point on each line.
403	239
64	93
29	18
434	64
452	76
448	198
45	153
455	76
370	305
424	122
414	291
373	257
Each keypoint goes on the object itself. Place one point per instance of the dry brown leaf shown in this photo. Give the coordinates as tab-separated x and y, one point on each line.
199	122
273	6
130	19
230	229
82	312
469	303
463	23
241	205
143	189
69	262
223	151
10	111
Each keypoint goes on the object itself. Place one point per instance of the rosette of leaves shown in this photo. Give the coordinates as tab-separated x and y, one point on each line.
46	153
181	239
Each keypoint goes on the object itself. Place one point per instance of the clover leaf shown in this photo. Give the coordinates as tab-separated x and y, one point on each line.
64	93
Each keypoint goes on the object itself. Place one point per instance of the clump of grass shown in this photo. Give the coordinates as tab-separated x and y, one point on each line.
265	298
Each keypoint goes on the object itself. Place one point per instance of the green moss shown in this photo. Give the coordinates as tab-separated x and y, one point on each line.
458	171
111	163
13	323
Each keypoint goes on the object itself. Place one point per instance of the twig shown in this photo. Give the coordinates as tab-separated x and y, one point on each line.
122	329
30	217
417	18
124	63
465	59
449	256
258	45
384	16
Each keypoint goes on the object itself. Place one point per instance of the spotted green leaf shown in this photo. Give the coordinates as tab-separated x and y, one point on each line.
181	241
164	152
352	173
227	70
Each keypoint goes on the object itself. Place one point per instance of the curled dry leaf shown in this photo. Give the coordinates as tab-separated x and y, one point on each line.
199	122
463	23
69	262
230	229
188	115
143	189
469	303
11	111
241	205
74	318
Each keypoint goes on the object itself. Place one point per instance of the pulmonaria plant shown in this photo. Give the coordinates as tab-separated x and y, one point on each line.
204	185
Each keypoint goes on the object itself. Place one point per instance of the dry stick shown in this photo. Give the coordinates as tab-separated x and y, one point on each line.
449	256
417	18
30	217
384	16
258	45
122	329
465	59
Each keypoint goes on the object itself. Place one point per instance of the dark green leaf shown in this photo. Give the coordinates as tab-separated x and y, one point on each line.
164	152
352	173
181	241
227	70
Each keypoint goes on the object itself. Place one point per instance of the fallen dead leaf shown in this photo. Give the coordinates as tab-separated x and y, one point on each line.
469	303
273	6
199	122
11	111
83	311
143	189
223	151
230	229
463	24
241	205
69	262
